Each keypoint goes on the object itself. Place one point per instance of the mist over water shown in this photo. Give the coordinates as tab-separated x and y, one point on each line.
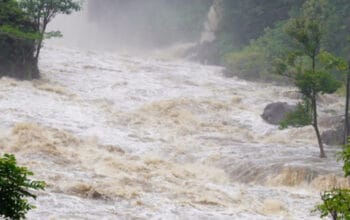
120	136
132	25
78	31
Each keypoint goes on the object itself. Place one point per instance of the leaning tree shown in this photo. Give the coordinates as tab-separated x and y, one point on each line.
23	25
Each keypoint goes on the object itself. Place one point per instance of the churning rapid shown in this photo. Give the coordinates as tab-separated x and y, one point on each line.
121	137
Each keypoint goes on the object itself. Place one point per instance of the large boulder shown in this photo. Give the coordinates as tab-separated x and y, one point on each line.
274	113
335	133
333	137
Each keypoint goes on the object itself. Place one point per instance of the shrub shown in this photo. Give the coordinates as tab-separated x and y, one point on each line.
246	64
15	187
301	117
336	202
259	60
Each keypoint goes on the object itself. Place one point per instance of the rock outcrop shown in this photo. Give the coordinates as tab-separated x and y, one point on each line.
274	113
206	51
335	133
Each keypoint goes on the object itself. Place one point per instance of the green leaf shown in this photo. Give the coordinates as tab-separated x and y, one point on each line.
331	61
336	203
17	33
301	117
53	34
15	186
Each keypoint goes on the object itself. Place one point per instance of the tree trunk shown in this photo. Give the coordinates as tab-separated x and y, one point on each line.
314	109
346	126
334	215
38	48
315	125
313	57
40	43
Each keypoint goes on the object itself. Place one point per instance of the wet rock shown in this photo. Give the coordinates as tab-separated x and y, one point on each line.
274	113
208	51
328	99
96	195
335	133
333	137
331	122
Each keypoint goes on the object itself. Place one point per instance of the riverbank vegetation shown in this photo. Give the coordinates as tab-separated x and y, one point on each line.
256	31
336	202
23	26
15	188
302	43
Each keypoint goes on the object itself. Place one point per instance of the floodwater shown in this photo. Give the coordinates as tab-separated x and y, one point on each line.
125	137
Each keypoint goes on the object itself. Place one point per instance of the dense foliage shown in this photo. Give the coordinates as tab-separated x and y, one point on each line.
302	116
312	79
41	13
258	29
245	20
17	42
15	187
345	156
336	203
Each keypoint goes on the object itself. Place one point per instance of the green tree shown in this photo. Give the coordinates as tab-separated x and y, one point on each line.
345	156
245	20
23	26
347	96
347	103
339	64
41	13
311	81
17	42
336	203
265	21
15	187
300	117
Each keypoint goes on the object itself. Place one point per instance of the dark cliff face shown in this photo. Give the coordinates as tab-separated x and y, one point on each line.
16	52
16	59
150	23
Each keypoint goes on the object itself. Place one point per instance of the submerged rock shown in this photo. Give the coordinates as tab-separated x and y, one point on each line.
334	133
274	113
333	137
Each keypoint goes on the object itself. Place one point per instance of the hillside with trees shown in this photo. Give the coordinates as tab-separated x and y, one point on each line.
256	30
